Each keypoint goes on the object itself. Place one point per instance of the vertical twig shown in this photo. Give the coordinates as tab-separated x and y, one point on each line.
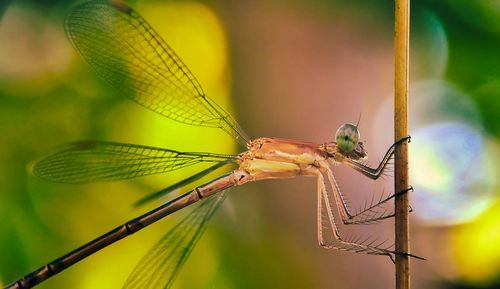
401	45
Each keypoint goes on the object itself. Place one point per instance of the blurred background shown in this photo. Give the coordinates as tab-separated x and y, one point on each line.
294	69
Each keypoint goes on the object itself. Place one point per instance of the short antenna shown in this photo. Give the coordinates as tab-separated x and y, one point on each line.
359	118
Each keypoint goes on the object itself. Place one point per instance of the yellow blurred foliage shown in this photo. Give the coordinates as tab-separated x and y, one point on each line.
476	247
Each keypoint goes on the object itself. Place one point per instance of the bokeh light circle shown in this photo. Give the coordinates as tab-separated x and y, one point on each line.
449	165
448	173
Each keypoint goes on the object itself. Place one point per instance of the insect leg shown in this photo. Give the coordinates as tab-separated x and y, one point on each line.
375	173
371	213
357	245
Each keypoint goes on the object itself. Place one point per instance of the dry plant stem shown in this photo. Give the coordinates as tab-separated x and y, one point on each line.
401	43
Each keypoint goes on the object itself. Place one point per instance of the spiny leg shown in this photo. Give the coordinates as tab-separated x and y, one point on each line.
339	199
355	245
371	213
375	173
374	212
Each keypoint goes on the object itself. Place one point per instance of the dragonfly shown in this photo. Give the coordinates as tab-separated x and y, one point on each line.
127	52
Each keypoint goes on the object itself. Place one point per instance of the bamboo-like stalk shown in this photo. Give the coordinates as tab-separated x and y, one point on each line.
401	49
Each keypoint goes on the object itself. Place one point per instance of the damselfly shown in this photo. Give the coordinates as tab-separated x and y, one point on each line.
125	50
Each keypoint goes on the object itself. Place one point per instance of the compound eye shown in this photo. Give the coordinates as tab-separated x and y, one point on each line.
347	137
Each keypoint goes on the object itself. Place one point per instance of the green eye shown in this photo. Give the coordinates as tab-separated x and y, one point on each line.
347	137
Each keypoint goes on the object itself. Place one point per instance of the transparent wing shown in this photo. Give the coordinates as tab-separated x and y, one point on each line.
93	161
125	50
159	267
